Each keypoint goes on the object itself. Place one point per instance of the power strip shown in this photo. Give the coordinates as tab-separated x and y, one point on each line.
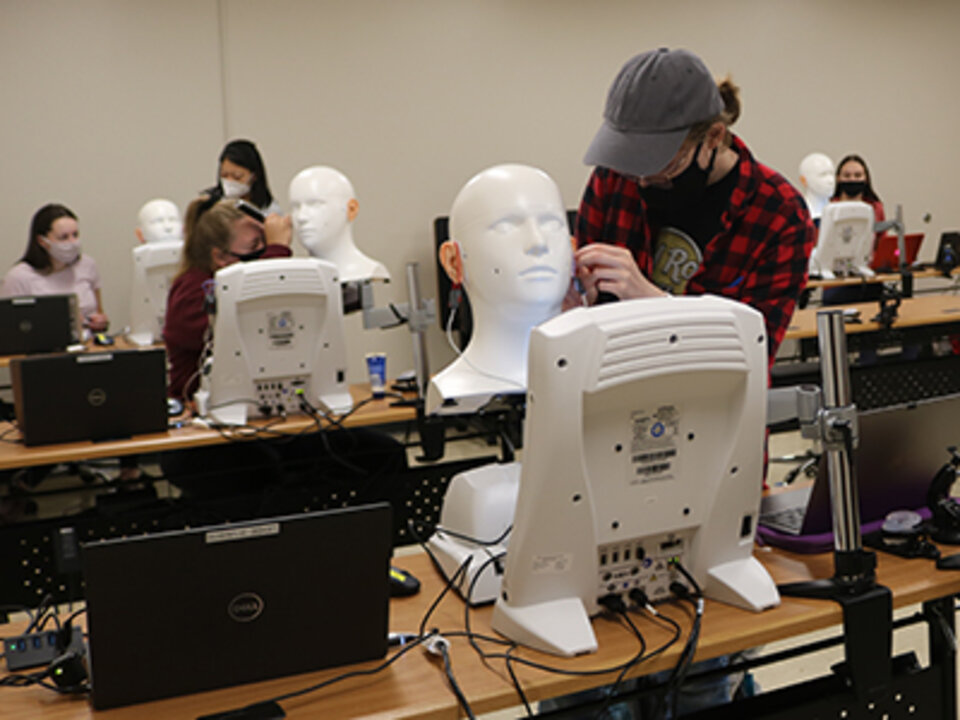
40	648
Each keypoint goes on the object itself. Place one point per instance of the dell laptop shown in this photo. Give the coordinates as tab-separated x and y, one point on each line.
89	396
192	610
900	450
38	324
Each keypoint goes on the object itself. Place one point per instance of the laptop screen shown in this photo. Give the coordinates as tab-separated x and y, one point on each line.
44	323
191	610
886	254
900	450
89	396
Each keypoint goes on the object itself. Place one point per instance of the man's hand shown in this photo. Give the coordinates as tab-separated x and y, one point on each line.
278	230
609	268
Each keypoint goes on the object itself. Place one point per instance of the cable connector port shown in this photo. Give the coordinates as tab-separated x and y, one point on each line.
436	645
639	597
613	602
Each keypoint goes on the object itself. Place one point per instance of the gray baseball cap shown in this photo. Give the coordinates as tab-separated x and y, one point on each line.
651	106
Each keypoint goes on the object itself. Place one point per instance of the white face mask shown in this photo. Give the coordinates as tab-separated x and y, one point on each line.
234	189
64	251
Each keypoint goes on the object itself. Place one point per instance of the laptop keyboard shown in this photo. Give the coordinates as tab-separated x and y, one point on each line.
789	520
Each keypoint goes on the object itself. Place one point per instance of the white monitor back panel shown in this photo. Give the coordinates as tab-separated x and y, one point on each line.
278	337
844	240
643	441
154	267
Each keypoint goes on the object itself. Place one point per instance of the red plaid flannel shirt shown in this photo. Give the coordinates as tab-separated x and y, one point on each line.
759	256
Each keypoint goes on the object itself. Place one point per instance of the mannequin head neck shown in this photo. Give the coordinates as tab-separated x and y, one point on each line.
510	250
323	206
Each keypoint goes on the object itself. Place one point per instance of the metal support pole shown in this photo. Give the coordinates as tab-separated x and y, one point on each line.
417	329
839	429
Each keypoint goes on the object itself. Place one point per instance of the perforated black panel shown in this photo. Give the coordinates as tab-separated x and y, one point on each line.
883	385
30	567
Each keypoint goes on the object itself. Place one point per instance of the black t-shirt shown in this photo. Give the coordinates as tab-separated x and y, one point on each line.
680	235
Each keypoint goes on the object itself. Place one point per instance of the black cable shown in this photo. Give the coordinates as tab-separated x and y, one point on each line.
697	592
19	608
448	669
469	598
516	681
460	536
353	673
21	680
73	615
611	690
446	588
306	406
41	611
679	673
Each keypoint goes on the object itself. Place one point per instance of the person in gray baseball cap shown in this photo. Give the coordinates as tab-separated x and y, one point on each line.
677	203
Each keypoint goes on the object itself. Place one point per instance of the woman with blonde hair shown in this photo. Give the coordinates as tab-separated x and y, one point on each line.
217	234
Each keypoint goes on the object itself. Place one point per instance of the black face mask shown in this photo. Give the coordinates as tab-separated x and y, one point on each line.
851	188
687	188
254	255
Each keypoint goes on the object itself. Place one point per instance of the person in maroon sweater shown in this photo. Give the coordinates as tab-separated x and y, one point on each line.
217	235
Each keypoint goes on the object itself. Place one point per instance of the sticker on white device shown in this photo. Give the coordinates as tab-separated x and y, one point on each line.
243	533
552	564
653	449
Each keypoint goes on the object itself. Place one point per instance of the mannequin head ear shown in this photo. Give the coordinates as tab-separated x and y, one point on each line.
353	207
803	182
140	236
452	262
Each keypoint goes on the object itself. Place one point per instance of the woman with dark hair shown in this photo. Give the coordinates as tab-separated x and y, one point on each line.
53	264
853	183
241	175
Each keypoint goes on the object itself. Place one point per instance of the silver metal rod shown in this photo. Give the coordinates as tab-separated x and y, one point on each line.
835	372
419	337
901	242
834	363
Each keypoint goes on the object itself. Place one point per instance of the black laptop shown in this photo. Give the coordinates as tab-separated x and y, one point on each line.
900	450
192	610
38	324
89	396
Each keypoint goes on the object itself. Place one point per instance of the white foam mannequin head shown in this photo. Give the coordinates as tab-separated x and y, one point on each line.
510	249
323	207
818	180
159	221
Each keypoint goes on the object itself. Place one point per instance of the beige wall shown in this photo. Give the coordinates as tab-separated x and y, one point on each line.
108	103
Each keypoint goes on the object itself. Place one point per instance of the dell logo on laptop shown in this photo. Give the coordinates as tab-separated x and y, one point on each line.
245	607
97	397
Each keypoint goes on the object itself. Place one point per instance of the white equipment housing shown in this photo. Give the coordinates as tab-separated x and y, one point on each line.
278	337
479	504
154	266
643	442
845	240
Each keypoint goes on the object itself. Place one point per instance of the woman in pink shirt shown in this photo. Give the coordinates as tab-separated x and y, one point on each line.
53	265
